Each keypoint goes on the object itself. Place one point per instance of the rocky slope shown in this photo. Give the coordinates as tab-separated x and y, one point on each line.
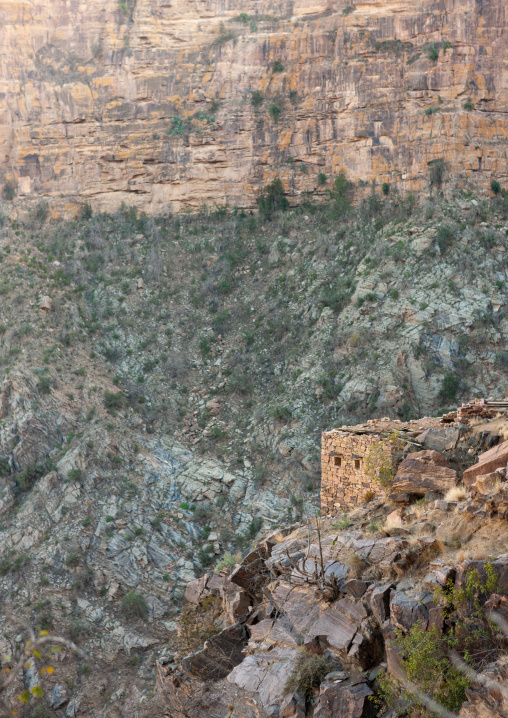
337	598
188	102
165	382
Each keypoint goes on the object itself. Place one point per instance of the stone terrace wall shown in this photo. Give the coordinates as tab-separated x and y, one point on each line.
343	478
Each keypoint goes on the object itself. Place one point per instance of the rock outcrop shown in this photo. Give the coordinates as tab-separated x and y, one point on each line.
176	104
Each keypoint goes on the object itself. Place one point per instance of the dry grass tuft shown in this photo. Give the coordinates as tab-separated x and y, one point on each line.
355	564
369	495
456	493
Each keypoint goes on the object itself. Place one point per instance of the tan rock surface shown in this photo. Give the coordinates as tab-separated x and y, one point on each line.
489	461
88	92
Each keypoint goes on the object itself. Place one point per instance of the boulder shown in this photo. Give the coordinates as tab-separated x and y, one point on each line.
355	587
252	572
219	655
277	631
46	303
196	590
424	471
487	484
265	676
344	699
380	602
406	611
489	461
439	439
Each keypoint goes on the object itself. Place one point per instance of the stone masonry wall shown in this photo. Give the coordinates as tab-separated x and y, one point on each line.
343	477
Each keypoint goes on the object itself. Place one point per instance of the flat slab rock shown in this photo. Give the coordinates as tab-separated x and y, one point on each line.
424	471
489	461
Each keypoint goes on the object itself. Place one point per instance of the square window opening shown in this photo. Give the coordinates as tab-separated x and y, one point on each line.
338	460
358	464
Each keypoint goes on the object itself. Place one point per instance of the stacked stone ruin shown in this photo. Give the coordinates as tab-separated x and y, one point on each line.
344	479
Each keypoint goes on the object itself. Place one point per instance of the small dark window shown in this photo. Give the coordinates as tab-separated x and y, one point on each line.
338	461
358	463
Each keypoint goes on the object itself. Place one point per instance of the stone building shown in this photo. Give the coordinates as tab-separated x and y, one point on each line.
344	479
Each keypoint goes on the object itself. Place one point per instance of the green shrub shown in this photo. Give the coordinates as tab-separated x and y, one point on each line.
5	467
9	191
468	105
134	605
393	294
27	477
227	561
321	178
74	557
44	385
274	111
75	474
113	401
426	664
272	199
449	387
256	98
277	66
444	238
281	413
495	186
433	52
386	189
308	672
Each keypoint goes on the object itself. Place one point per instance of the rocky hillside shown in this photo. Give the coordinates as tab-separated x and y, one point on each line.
186	102
381	613
165	382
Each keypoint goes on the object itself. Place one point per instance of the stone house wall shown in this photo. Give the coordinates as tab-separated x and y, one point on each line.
343	477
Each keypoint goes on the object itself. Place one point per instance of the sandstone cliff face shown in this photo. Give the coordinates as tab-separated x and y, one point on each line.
150	101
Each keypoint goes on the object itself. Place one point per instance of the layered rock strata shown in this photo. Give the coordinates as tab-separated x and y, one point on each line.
171	105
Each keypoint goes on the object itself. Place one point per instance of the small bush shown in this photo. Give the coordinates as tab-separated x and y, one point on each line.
274	111
28	476
256	98
433	52
228	561
281	413
75	474
386	189
9	191
113	401
74	558
444	238
272	199
449	387
308	672
495	186
277	66
134	605
369	495
426	664
468	105
321	178
44	385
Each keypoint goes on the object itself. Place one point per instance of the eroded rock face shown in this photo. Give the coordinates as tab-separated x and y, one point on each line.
149	102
